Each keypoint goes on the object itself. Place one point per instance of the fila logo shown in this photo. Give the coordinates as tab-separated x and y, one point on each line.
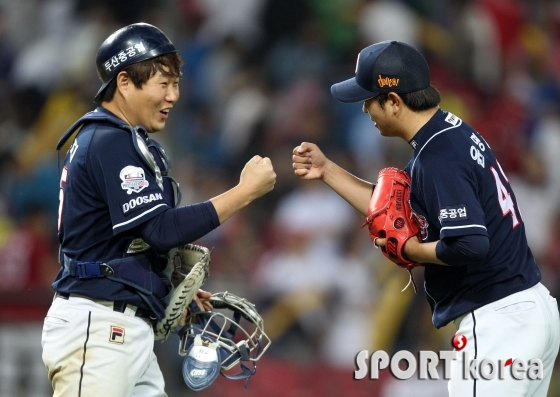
116	335
387	81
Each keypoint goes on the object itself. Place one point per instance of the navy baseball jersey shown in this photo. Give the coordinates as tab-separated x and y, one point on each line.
106	190
458	189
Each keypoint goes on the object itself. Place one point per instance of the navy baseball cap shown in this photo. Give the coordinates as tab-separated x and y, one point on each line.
388	66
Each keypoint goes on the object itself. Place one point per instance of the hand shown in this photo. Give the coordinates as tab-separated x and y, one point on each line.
309	162
411	247
408	248
201	299
258	177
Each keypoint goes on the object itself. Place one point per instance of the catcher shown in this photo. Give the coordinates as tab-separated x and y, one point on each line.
123	282
452	210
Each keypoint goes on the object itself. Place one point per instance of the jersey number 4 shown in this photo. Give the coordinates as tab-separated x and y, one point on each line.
504	196
63	179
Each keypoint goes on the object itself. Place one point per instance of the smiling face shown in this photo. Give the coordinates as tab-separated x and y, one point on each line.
150	105
144	93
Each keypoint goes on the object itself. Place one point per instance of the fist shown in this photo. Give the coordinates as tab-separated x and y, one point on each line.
309	162
258	176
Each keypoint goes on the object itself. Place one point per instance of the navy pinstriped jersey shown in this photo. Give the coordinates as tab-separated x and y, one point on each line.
106	190
458	188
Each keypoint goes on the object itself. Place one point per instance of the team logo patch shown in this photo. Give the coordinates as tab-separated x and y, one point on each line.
387	81
133	179
116	335
140	201
453	213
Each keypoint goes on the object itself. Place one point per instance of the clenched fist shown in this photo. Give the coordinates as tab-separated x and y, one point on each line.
309	162
258	177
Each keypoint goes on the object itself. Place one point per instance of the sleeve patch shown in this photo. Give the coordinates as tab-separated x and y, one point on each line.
133	179
140	201
453	213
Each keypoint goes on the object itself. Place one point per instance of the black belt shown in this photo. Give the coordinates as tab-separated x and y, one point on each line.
118	306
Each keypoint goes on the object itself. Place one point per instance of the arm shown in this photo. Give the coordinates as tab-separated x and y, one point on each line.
178	226
310	163
182	225
257	179
421	252
451	251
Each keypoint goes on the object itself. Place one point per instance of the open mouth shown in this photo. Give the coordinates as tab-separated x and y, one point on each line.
164	112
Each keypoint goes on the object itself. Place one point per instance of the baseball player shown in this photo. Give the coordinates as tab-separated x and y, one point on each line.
118	218
479	271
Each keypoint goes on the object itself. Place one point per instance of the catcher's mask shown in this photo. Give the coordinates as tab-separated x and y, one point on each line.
131	44
208	341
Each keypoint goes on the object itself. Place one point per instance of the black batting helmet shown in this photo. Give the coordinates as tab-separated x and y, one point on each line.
131	44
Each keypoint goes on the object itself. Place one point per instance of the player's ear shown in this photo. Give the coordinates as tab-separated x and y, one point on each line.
123	82
394	101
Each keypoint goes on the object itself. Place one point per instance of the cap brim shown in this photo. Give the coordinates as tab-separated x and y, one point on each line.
349	92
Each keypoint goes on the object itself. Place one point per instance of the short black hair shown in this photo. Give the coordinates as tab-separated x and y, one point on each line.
141	72
418	100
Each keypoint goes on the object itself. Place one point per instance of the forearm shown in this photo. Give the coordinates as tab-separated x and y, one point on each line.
179	226
456	251
354	190
422	252
228	203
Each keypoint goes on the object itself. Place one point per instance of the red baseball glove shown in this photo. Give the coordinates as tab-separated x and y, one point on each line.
390	216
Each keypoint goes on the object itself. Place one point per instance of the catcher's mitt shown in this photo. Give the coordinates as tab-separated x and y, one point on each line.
390	216
186	278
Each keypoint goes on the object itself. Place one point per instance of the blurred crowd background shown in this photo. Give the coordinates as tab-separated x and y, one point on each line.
256	80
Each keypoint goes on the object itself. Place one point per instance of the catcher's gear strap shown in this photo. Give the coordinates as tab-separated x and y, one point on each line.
131	271
139	143
134	271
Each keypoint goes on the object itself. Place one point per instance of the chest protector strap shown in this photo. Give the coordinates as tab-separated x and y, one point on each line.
138	142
